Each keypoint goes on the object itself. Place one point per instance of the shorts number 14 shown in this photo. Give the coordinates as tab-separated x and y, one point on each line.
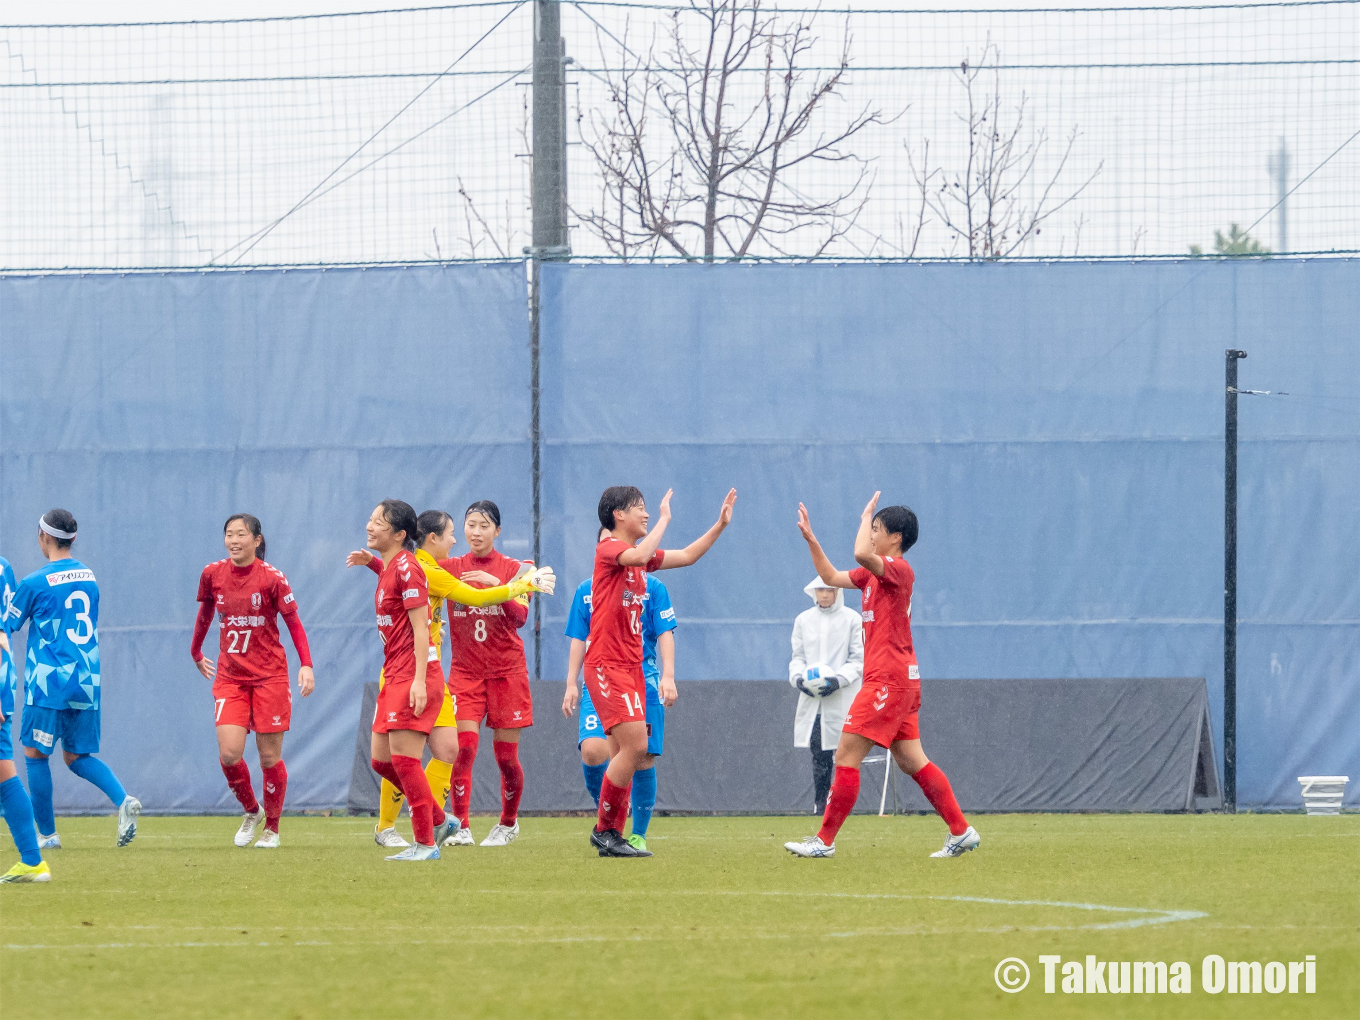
631	702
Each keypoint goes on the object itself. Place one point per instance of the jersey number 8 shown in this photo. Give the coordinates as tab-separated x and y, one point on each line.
479	630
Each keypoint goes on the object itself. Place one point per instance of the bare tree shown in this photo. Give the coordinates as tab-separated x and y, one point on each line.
992	202
695	156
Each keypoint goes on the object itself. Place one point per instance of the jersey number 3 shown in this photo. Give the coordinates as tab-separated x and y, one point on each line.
86	629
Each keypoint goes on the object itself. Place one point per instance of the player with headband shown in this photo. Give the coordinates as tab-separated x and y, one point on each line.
885	710
489	673
250	678
61	678
435	537
613	661
14	802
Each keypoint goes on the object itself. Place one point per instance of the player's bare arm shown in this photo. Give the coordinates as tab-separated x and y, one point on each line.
651	541
693	552
864	540
820	562
665	651
480	578
575	656
420	633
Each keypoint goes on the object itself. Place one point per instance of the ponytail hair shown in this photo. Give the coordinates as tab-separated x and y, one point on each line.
431	522
402	517
253	523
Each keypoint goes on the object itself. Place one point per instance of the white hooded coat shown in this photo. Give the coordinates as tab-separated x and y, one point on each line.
833	638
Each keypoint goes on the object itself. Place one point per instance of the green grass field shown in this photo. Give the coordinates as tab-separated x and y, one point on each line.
720	923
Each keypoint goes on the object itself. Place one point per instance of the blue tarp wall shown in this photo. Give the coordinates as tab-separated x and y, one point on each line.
1057	428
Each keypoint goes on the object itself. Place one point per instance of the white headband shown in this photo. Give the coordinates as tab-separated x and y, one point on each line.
65	536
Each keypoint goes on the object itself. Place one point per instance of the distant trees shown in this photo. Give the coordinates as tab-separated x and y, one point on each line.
695	155
1235	244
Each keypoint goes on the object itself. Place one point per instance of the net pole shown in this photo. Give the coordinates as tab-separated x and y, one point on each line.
549	234
1230	584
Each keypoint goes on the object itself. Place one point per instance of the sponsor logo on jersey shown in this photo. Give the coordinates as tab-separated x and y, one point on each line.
255	600
288	598
242	621
384	621
411	593
69	577
221	598
868	616
913	672
668	614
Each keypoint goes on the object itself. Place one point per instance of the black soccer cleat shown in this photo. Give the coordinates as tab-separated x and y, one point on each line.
611	843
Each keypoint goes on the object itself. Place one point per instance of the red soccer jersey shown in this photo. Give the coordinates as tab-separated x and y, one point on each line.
248	601
889	655
401	586
617	597
484	640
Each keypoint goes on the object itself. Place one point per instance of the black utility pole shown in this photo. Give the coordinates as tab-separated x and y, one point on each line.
550	242
1230	585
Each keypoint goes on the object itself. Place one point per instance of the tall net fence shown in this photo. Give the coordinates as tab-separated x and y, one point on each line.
715	128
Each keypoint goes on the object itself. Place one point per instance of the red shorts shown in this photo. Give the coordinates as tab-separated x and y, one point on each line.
504	701
619	693
260	708
885	713
394	703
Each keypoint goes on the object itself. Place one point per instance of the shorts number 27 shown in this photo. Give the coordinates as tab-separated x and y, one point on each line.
631	702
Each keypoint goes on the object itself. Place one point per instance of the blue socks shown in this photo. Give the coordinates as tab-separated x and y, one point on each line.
18	810
594	777
644	800
40	789
92	770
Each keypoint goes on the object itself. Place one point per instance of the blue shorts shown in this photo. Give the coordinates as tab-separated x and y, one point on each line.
589	725
76	728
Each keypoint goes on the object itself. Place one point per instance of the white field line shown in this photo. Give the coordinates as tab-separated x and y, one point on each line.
1152	916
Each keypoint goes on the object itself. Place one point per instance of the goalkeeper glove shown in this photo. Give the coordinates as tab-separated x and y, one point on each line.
830	685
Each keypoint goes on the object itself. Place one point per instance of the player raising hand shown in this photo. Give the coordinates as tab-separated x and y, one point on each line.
613	662
885	710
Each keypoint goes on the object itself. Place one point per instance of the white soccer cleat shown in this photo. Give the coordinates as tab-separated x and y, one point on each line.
500	835
389	838
246	833
957	846
811	847
52	842
127	819
269	841
417	853
463	837
445	830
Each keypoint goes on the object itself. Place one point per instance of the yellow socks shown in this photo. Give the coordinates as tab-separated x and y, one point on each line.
389	805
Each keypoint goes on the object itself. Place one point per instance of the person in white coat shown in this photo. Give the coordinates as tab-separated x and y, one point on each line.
826	669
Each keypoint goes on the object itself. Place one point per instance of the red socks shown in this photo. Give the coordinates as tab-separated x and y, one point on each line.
512	778
935	785
238	778
462	774
385	769
613	805
840	802
275	786
418	797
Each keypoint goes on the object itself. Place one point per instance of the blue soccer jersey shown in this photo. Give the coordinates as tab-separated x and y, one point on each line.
8	674
62	667
658	617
